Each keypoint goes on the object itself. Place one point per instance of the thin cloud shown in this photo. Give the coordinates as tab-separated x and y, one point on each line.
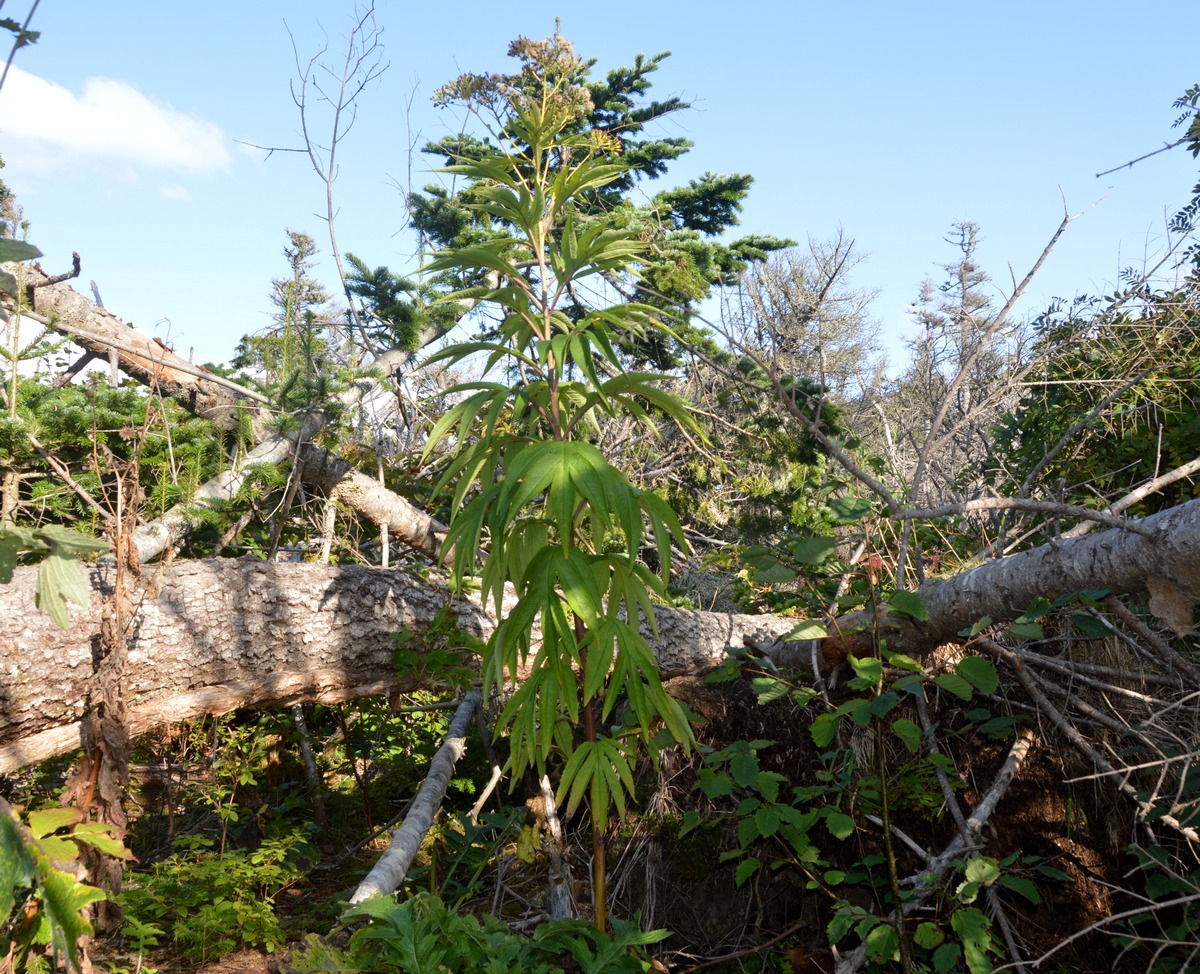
174	193
43	125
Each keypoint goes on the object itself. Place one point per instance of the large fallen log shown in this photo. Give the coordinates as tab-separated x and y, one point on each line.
1158	556
211	636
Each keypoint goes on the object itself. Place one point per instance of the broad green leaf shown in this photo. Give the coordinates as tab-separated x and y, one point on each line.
769	688
982	869
975	932
813	551
714	784
63	900
884	704
768	783
902	662
824	729
744	766
976	628
947	958
773	575
100	836
766	819
869	669
10	548
807	629
850	510
1019	884
978	672
954	684
840	825
1026	631
60	579
1089	626
908	604
71	542
746	868
909	733
883	943
928	935
47	821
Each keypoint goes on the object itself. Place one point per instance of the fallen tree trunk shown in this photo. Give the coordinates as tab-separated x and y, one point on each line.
211	636
225	404
1161	559
388	873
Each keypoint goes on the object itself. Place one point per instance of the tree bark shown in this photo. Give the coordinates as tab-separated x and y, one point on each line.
389	872
1162	560
211	636
223	402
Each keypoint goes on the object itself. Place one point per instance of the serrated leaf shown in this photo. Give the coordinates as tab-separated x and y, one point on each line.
1089	626
884	704
691	819
1026	631
982	869
744	767
974	931
100	836
813	551
883	943
769	688
1019	884
746	868
849	510
946	958
908	604
976	628
713	784
807	629
768	783
824	729
63	899
10	548
909	733
978	672
47	821
840	825
955	684
834	877
71	542
928	935
766	819
867	668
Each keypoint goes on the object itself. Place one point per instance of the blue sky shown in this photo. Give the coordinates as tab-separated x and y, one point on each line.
120	131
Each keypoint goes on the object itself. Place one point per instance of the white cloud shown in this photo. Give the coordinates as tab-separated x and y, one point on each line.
174	193
45	126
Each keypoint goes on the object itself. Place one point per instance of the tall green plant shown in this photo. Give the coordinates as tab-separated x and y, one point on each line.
562	526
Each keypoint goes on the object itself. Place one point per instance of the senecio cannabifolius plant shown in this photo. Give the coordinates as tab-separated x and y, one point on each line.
528	483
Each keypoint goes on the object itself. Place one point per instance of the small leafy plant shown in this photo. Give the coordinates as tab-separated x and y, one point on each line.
42	904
